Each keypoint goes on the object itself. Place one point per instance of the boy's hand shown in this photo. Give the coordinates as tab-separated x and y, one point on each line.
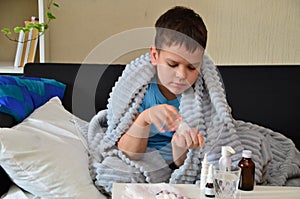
163	116
182	142
189	139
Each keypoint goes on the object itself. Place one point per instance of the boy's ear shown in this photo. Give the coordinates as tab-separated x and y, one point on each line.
153	55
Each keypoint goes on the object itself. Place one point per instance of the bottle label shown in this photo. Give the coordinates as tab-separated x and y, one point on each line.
209	191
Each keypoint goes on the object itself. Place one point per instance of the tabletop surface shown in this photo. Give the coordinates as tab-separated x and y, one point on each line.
193	191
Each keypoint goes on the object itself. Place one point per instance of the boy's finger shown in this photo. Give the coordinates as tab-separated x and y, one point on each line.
201	140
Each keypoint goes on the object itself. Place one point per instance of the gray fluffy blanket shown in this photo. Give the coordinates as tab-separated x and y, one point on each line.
203	107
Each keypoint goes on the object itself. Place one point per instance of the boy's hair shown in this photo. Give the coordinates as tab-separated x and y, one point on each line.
180	26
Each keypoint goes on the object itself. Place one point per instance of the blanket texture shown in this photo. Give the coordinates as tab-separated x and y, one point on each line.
203	106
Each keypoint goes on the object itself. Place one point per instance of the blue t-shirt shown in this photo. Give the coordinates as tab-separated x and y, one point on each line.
158	140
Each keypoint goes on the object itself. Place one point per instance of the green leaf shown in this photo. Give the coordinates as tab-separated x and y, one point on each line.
46	26
39	27
26	29
50	16
30	25
18	29
55	5
6	31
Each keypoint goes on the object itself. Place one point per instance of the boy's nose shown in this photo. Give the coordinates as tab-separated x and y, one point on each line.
181	72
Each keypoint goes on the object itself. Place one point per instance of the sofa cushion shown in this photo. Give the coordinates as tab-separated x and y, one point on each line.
19	96
87	85
46	154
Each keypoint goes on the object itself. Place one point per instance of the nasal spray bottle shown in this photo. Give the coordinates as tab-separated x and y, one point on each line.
209	190
225	160
204	172
182	127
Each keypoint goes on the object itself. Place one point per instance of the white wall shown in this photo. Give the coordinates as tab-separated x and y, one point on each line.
240	31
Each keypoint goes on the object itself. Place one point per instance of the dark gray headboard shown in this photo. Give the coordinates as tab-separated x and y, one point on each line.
265	95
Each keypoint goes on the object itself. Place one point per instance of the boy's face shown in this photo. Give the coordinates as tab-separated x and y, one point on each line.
177	69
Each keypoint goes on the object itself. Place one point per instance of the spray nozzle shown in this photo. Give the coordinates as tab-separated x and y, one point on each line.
227	150
205	159
210	174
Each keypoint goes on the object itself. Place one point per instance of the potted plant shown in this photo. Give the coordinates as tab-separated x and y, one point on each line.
40	27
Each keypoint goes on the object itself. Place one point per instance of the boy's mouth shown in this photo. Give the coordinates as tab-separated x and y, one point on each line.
178	85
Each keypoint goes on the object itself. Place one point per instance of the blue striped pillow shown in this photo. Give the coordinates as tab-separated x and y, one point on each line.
19	96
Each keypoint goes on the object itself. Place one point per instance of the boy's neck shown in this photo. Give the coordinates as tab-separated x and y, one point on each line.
166	93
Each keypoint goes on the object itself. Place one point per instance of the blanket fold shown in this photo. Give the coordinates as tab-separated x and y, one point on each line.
203	106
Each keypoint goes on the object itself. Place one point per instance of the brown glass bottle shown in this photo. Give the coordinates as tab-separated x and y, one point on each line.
247	179
209	190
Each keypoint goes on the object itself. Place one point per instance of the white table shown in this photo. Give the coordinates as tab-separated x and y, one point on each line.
193	191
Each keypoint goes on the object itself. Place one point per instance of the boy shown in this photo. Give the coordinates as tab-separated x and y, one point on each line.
135	139
177	55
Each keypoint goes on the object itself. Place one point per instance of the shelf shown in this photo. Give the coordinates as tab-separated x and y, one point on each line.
7	62
8	68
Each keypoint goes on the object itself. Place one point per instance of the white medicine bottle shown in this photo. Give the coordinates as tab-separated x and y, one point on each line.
225	160
209	190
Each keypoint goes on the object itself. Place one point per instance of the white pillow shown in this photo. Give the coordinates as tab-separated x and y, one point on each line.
46	155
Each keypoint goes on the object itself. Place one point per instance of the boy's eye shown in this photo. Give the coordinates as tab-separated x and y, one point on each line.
172	65
190	67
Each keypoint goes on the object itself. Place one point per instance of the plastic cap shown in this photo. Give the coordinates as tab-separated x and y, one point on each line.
227	150
247	153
